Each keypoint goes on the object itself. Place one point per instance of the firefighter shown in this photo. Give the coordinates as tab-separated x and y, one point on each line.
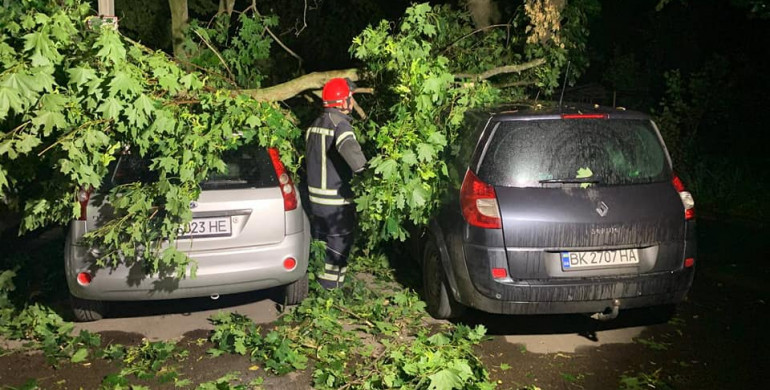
333	155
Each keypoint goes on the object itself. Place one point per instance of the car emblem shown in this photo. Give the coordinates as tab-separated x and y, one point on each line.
602	209
193	204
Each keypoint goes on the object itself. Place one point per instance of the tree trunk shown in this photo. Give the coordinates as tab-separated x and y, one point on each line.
483	12
226	6
179	19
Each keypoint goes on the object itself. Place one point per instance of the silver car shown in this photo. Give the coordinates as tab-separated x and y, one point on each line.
249	232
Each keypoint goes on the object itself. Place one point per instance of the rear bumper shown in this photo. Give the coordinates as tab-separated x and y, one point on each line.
219	272
585	296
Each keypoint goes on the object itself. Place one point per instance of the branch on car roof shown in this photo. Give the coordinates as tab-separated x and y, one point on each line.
291	88
518	68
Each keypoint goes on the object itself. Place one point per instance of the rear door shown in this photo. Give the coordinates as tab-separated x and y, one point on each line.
584	197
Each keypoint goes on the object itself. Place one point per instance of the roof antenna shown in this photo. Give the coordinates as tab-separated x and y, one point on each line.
564	85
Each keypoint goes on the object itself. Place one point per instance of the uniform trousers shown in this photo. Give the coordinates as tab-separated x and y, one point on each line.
335	225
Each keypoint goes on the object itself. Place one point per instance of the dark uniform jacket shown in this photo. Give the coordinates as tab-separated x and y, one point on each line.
332	155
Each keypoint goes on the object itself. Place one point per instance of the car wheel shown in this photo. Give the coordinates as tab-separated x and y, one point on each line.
86	310
295	293
440	304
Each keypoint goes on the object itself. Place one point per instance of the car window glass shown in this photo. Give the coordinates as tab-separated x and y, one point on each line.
605	152
246	167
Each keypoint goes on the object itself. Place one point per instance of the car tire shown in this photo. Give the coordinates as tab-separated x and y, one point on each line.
440	303
86	310
295	293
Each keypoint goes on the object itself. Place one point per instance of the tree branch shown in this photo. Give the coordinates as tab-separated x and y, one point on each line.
216	52
518	68
291	88
269	31
473	33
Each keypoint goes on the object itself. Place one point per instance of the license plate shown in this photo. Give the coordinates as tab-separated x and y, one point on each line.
207	227
598	259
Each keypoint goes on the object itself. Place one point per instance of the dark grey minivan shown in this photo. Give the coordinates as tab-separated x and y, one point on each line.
560	211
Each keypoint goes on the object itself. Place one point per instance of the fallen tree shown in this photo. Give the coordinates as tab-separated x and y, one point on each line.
72	97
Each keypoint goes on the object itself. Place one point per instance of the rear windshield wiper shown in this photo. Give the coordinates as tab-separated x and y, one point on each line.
593	180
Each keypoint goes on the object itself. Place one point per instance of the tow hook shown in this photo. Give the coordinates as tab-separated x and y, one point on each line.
214	297
609	314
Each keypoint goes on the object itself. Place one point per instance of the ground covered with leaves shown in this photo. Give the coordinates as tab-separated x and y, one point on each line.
375	334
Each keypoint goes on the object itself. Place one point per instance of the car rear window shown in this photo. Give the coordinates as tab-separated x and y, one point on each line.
542	153
246	167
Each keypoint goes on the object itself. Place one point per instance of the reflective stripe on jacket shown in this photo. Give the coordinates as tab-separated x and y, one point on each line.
332	155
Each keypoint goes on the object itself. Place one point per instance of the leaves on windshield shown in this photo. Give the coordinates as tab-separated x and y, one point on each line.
583	173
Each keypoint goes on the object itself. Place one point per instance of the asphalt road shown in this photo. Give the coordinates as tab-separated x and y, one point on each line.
170	320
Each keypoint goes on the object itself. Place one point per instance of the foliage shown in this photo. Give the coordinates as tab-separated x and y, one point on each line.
73	98
45	330
417	69
226	382
359	338
243	57
421	112
698	106
686	103
146	361
644	381
557	31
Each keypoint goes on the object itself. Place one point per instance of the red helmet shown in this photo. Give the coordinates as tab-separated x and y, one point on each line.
335	92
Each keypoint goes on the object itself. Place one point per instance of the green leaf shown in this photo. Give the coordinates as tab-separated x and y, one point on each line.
80	355
191	81
425	152
445	380
42	48
418	197
81	75
409	158
145	104
387	168
124	84
48	121
584	173
110	109
110	47
9	99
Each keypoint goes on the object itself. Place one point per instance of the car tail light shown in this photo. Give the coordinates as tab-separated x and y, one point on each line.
84	278
584	116
478	202
284	181
84	194
687	199
499	273
689	262
289	264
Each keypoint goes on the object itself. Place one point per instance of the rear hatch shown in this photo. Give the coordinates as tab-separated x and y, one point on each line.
242	206
584	197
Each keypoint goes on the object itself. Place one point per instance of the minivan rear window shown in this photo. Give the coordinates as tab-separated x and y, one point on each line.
246	167
547	153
